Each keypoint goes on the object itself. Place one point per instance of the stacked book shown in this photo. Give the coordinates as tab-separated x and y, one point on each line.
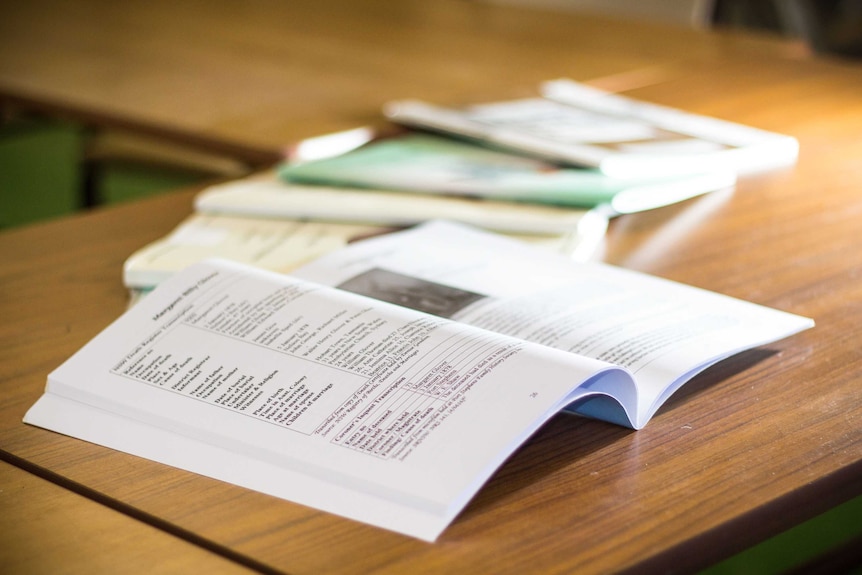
551	170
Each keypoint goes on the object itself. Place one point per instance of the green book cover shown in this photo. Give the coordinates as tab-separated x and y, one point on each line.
427	163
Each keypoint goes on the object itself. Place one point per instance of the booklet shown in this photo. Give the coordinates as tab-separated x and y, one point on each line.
426	163
388	380
623	137
271	197
280	245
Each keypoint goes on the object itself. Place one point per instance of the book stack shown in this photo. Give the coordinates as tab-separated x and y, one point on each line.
551	170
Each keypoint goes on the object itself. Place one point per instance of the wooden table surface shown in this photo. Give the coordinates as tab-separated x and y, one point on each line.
46	528
754	445
250	78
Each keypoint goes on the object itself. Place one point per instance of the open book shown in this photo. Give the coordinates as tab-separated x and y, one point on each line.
577	124
393	396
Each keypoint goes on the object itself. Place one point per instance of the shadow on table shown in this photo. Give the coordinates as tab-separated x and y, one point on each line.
567	439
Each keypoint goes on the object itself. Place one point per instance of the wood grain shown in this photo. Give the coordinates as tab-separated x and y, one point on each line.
748	448
47	529
254	78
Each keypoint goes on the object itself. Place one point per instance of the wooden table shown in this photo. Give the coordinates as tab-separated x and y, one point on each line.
249	79
756	444
37	538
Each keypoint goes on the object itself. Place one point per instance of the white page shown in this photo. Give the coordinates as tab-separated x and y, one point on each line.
662	331
357	396
131	436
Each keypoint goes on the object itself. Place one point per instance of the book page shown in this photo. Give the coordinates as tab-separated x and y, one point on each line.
353	394
661	331
274	244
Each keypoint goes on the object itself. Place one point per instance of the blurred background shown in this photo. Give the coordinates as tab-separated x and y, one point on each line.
824	26
50	167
